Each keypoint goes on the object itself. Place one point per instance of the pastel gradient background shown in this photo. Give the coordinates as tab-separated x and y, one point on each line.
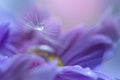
72	13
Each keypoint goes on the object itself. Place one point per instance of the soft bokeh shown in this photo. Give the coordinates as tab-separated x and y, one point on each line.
73	12
112	66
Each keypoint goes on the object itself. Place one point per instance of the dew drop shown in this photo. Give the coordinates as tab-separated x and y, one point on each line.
39	28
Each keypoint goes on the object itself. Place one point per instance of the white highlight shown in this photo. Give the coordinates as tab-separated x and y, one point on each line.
46	48
39	28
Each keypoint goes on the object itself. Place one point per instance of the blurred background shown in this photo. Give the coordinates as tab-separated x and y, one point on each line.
72	13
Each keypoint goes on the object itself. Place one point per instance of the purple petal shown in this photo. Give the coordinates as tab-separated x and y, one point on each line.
79	73
6	48
83	48
109	28
75	73
108	25
4	31
21	65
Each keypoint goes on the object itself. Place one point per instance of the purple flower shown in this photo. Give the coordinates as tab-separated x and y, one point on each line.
83	46
38	33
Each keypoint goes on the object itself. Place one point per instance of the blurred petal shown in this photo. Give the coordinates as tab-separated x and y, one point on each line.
44	72
108	25
83	47
89	46
79	73
21	65
4	31
109	28
6	48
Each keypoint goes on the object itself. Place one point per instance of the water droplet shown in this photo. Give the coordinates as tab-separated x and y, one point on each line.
39	28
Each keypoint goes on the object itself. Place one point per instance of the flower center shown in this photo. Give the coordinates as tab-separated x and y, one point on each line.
46	53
